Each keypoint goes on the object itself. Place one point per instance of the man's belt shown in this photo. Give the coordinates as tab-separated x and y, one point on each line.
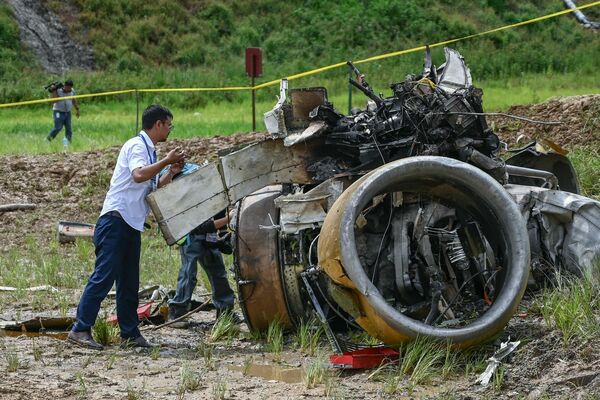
114	214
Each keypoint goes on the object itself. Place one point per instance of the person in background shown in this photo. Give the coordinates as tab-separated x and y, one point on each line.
61	111
117	237
203	245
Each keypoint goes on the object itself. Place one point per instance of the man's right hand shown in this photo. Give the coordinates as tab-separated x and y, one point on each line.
175	156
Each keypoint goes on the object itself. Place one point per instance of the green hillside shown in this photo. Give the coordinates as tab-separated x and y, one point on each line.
185	43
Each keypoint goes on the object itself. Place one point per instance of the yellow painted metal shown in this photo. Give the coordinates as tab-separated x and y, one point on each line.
329	251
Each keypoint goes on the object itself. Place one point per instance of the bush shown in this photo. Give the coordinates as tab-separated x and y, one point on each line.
129	62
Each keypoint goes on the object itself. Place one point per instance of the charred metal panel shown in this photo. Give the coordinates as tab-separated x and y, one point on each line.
298	213
563	227
303	101
263	164
184	204
456	74
315	128
559	165
188	201
308	210
275	118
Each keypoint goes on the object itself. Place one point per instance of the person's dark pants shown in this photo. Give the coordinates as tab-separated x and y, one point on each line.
117	259
212	262
61	119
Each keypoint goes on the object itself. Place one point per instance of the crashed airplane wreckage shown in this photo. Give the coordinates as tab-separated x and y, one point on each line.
400	218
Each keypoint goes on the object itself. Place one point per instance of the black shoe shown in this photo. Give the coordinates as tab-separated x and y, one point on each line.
175	312
139	341
48	138
84	339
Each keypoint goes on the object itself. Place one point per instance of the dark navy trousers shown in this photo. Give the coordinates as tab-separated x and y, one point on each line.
117	259
61	119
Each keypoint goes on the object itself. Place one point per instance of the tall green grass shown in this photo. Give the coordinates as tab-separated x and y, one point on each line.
225	327
274	339
308	335
586	160
572	306
423	360
23	130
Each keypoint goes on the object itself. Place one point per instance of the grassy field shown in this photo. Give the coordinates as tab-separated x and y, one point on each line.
23	129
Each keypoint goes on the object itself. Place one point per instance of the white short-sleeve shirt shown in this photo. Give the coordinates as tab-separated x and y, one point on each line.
125	195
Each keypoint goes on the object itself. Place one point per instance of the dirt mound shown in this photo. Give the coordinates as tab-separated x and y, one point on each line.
72	186
579	118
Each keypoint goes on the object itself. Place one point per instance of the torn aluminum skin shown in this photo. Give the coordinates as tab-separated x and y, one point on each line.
564	228
275	119
494	361
456	75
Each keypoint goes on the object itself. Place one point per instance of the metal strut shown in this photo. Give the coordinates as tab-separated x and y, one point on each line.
320	314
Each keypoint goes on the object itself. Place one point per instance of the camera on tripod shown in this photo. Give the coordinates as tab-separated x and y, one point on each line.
54	86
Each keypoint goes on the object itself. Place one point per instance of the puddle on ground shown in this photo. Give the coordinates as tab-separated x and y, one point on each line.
272	372
60	335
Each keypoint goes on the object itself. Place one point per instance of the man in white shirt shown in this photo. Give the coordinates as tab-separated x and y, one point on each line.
118	230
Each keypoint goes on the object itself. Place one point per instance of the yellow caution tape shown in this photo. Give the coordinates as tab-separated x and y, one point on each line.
207	89
313	71
300	75
83	96
53	99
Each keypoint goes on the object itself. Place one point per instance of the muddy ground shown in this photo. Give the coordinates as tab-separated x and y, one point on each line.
72	186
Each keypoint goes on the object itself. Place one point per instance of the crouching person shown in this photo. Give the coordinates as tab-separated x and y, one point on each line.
203	245
117	237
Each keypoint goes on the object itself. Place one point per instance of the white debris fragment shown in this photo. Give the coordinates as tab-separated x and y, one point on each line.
494	361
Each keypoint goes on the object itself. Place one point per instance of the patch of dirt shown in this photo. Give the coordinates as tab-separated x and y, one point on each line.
542	366
72	186
579	118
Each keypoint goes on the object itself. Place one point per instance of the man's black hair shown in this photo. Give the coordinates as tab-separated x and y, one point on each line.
153	113
69	83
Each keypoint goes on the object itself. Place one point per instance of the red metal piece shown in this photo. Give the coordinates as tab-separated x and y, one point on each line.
254	62
370	357
143	312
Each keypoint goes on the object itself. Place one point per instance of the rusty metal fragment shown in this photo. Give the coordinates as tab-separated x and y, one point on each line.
258	270
69	231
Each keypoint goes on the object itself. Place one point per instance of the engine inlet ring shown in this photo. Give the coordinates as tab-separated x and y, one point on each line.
461	184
